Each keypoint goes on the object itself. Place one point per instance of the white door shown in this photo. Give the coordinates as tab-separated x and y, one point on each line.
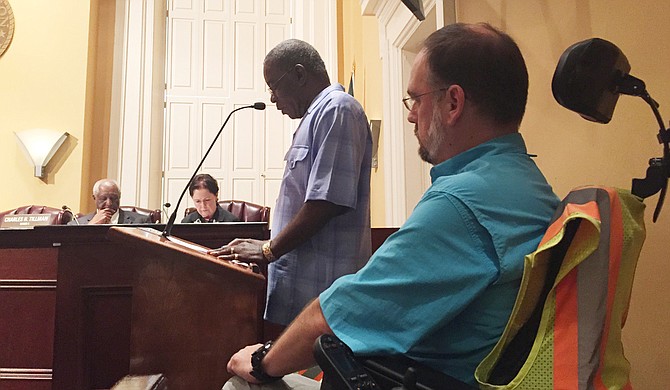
214	65
215	51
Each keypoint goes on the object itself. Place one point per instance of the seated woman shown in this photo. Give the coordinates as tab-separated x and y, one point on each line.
204	191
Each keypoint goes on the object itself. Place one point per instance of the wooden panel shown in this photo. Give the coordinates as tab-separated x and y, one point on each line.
86	235
246	63
23	381
181	55
28	296
93	265
244	188
183	304
189	300
186	5
174	188
27	324
84	324
277	8
76	360
213	115
180	148
31	263
245	7
219	45
106	321
214	6
245	144
214	45
94	300
275	32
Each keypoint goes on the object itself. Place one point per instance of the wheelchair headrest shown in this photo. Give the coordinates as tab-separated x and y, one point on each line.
587	76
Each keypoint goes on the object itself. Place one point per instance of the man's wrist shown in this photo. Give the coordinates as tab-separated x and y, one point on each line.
267	251
257	370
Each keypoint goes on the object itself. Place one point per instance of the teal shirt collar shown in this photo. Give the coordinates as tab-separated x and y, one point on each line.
504	144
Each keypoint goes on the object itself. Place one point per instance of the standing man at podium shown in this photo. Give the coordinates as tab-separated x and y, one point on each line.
321	224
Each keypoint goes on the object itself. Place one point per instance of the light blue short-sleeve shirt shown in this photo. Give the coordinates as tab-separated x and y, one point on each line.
440	290
329	159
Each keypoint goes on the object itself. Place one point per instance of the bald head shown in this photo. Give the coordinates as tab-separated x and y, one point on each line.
290	52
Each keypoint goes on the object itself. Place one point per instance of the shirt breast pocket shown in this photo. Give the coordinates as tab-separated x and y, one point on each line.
295	155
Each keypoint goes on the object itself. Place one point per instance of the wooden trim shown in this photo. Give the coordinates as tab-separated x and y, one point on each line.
21	284
25	374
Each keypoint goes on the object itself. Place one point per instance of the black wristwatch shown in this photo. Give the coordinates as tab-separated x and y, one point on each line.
257	368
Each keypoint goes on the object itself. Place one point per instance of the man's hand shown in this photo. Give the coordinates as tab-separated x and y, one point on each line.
246	250
311	217
240	363
102	216
291	352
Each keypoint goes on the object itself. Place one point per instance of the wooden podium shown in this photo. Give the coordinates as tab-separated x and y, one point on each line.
190	311
83	306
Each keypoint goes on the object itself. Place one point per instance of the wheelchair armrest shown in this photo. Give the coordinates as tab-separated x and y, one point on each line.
341	368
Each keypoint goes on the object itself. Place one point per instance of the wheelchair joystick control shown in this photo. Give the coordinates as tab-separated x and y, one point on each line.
340	368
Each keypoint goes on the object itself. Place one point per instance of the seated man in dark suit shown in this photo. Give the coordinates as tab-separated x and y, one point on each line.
107	196
204	191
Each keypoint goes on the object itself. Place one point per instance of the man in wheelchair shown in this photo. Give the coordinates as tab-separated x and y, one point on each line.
441	289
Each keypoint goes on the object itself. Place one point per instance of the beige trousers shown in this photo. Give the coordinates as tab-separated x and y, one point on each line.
289	382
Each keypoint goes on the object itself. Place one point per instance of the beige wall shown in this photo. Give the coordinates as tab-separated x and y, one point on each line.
95	145
360	46
43	85
573	151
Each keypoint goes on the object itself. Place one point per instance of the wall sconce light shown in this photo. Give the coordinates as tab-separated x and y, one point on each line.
40	145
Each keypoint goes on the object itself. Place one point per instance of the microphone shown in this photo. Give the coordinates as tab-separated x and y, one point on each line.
166	206
168	227
74	217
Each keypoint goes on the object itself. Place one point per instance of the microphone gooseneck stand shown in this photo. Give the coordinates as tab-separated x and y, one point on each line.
168	227
166	207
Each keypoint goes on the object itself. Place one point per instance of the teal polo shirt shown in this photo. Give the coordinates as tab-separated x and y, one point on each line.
440	290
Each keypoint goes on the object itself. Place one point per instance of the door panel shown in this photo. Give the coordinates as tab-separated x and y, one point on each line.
215	52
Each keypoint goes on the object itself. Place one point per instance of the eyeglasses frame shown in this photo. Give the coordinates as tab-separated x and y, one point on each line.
272	89
413	99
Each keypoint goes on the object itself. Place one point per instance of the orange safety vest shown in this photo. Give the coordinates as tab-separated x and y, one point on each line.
565	329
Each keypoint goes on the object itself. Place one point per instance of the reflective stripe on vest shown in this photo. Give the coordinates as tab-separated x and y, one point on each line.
578	342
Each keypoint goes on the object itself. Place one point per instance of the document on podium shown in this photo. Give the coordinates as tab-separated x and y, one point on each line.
201	249
189	245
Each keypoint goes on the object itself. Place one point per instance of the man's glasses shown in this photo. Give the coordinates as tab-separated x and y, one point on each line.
273	87
410	101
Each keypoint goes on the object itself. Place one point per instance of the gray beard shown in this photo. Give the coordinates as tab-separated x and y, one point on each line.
423	153
436	136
